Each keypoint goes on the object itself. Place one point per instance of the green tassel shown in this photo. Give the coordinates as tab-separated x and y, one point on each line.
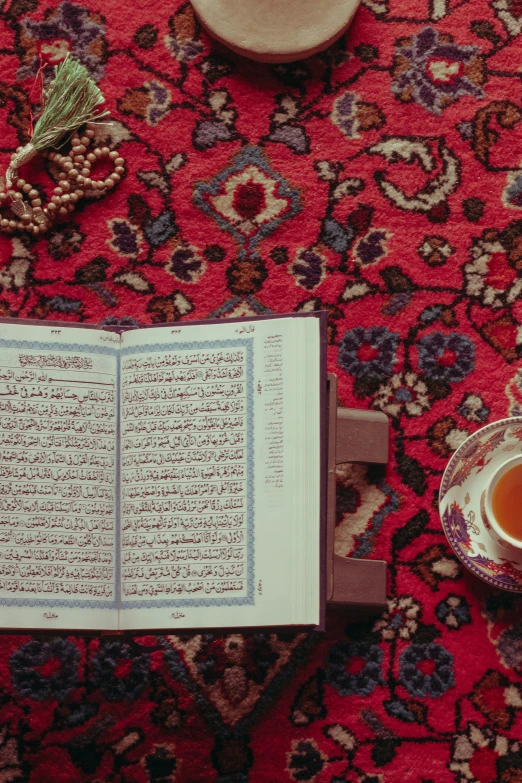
71	102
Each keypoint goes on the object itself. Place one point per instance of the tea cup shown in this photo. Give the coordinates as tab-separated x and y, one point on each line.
491	485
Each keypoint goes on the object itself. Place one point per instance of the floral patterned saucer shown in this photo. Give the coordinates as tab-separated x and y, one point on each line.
461	504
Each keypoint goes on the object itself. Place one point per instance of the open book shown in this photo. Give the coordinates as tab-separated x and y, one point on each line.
166	477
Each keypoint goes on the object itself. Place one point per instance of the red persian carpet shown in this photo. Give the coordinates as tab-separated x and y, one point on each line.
382	183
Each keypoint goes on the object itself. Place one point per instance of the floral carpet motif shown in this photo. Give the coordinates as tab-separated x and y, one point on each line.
381	181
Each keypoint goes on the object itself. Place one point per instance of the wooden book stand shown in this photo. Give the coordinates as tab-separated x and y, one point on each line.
353	436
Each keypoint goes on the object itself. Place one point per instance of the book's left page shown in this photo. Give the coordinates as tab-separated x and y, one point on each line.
58	441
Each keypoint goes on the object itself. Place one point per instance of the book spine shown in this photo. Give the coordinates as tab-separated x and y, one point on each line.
118	485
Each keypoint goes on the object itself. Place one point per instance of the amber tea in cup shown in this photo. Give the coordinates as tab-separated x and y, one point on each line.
504	502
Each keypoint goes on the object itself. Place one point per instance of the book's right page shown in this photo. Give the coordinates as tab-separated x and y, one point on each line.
220	475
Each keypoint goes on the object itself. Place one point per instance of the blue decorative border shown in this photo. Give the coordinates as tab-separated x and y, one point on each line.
249	599
56	602
37	346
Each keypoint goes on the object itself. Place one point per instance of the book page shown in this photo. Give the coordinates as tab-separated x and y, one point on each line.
58	422
208	458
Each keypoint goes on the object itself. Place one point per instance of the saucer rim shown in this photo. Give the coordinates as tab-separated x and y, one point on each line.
495	425
474	436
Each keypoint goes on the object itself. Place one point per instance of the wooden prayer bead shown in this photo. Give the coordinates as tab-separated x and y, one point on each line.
69	171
